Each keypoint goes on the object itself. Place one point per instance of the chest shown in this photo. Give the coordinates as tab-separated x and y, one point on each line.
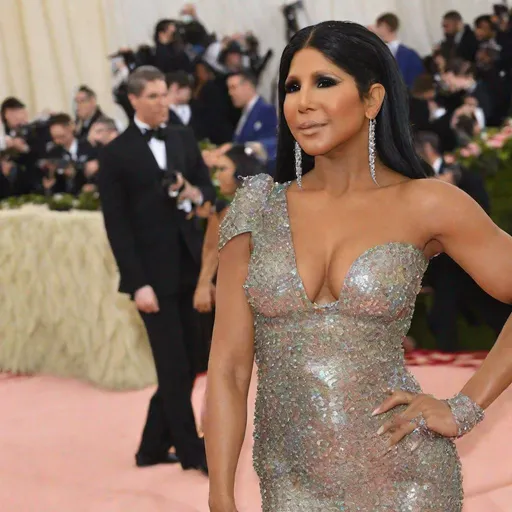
381	283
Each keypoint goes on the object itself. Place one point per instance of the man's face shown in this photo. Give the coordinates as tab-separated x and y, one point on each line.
484	31
382	30
99	134
16	117
62	135
85	105
233	62
239	90
179	95
152	106
450	27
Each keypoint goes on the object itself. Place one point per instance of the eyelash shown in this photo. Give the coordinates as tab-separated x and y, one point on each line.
327	82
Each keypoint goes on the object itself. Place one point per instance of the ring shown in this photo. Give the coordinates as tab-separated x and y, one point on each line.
421	423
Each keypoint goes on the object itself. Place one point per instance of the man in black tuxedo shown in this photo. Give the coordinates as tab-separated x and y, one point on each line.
179	86
157	245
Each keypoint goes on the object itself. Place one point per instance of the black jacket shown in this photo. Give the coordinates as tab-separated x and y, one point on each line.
151	239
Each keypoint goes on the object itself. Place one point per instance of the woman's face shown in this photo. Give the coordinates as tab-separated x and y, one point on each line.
226	176
322	105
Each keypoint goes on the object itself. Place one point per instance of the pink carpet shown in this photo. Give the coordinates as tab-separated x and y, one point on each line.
68	447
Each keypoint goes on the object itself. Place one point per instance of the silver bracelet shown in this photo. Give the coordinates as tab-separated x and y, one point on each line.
467	414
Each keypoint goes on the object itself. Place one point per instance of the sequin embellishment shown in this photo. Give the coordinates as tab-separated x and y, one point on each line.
322	370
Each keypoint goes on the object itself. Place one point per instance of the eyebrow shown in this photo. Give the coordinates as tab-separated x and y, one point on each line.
316	75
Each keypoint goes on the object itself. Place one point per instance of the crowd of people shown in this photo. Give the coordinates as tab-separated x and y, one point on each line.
457	91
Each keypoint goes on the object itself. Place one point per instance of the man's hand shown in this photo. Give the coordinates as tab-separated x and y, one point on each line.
146	301
16	143
188	191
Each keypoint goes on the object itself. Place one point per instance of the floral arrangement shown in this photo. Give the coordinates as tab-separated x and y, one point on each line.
488	153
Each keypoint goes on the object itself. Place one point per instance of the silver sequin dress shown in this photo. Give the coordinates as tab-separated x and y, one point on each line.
323	369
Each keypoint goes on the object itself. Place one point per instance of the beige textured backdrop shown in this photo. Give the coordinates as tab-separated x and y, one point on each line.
60	311
48	47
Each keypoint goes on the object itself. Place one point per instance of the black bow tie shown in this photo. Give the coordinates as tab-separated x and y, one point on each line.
159	133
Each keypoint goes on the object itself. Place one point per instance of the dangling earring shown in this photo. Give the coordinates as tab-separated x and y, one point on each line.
371	149
298	164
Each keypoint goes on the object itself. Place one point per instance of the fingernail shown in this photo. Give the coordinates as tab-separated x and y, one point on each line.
415	445
380	431
374	413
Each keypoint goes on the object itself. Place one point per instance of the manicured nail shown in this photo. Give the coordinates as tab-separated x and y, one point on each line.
380	431
415	446
374	413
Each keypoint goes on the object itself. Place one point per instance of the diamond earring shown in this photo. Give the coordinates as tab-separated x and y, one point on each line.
371	149
298	163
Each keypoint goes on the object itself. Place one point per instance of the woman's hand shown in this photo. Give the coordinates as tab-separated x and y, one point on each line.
221	504
423	411
204	297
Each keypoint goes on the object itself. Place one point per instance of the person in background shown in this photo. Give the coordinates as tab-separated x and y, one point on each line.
87	110
68	160
409	62
210	106
232	167
169	51
459	40
147	177
103	131
455	292
179	94
258	122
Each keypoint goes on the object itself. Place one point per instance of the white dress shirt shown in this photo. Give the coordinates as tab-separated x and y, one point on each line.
157	146
393	47
438	163
246	113
184	112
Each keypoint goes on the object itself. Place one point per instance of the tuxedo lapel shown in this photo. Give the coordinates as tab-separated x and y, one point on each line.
175	152
141	147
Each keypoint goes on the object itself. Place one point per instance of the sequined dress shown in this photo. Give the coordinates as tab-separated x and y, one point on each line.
323	369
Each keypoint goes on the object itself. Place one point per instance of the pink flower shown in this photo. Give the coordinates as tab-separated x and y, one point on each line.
464	152
507	131
496	142
474	149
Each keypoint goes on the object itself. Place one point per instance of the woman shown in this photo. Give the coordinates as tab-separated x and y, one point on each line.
233	166
318	278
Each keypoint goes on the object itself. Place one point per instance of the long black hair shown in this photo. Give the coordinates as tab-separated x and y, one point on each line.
363	55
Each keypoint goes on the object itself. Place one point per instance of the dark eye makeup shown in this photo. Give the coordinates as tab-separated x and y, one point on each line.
321	82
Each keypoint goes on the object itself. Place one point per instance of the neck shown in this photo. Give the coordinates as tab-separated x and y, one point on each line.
142	119
251	99
345	168
68	146
392	38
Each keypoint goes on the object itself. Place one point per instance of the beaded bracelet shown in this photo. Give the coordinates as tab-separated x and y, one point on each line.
466	412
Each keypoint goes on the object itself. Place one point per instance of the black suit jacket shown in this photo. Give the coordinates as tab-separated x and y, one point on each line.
466	49
151	239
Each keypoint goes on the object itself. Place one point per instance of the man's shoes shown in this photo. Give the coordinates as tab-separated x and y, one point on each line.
202	466
144	461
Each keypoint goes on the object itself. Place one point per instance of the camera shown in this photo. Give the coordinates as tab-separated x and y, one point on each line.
170	178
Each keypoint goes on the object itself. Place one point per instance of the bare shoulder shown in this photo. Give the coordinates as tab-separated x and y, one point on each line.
433	201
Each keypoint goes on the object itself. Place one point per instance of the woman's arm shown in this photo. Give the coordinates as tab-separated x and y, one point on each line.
209	263
454	221
468	235
229	374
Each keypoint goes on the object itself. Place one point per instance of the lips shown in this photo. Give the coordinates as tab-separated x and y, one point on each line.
310	126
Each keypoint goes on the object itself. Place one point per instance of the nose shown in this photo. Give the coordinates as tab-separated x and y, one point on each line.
306	100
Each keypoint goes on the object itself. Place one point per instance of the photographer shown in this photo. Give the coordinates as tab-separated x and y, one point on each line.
24	141
69	163
169	50
87	110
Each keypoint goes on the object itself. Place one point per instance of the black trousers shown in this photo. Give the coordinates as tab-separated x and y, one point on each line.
456	293
173	334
